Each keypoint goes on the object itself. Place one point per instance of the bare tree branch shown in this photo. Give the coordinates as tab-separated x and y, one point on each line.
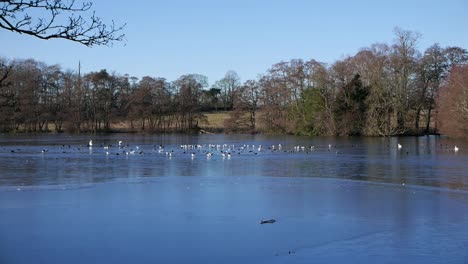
59	22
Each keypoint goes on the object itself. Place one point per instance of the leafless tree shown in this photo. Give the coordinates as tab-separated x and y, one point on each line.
373	64
188	91
150	103
52	98
141	102
228	85
432	69
4	70
296	97
403	65
453	103
103	88
382	90
243	118
276	100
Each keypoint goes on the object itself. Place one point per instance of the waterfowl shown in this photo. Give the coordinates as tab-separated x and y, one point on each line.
270	221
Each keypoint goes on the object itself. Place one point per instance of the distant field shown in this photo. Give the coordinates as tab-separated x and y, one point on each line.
215	120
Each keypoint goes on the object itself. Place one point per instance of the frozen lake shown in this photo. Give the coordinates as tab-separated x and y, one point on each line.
162	199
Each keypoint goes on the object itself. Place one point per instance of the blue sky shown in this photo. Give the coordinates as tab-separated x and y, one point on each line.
172	38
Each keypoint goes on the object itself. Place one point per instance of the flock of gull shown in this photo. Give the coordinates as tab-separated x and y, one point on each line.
193	150
208	150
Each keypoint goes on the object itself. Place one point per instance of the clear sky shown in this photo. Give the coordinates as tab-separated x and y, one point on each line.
209	37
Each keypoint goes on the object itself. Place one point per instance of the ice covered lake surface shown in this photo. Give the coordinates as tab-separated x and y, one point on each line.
345	200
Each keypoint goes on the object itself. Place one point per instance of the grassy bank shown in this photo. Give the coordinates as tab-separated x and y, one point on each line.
214	121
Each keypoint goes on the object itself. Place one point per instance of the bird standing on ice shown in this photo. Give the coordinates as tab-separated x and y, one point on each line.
399	146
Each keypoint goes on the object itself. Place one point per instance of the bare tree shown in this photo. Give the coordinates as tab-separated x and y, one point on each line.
188	92
403	63
7	96
139	104
276	100
374	66
431	70
103	87
150	103
243	117
56	19
62	19
296	97
67	104
228	85
25	95
51	98
4	71
453	103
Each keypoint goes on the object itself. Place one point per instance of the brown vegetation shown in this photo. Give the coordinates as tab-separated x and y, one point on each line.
382	90
453	104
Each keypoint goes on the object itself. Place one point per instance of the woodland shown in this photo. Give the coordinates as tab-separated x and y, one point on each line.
385	89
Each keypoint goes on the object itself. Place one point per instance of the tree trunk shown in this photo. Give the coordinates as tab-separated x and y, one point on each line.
418	117
400	121
428	121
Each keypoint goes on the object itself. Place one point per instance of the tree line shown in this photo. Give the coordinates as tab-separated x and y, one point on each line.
35	97
384	89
